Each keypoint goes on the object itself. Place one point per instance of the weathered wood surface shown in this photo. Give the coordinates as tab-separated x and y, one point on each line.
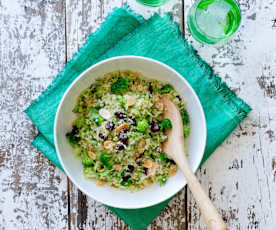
241	175
33	192
38	37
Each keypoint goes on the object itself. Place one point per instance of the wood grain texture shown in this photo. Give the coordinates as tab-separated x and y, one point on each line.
240	175
33	192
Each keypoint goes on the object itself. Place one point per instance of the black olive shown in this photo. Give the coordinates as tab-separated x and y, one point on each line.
110	125
132	121
150	87
123	138
125	178
120	115
145	170
130	168
75	130
171	161
102	136
154	126
139	159
120	147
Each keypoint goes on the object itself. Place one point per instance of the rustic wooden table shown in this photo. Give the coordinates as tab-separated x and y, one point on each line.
37	37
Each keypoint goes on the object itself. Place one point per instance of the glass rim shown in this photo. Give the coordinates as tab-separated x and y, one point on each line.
162	2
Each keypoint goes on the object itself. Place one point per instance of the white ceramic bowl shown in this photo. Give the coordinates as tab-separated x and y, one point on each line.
72	164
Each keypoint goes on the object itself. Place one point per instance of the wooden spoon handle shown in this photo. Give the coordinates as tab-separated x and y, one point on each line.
209	212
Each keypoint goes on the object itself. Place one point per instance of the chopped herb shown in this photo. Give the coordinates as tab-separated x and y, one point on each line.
80	122
105	159
94	114
162	156
79	108
166	124
162	179
87	161
119	86
166	89
73	139
185	116
186	130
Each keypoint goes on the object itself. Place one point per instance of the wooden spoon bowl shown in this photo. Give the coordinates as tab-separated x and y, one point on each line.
174	148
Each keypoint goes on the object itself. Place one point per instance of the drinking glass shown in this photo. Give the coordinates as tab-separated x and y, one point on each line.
213	21
152	2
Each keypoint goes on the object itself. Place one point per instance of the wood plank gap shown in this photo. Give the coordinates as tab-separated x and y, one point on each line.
65	31
186	208
82	210
183	17
68	202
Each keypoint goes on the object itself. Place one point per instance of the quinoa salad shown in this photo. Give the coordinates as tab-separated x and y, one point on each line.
120	128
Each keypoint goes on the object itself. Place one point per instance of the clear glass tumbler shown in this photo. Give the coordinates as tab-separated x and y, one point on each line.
152	2
213	21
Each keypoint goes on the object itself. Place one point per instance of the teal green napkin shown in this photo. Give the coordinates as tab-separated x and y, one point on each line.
125	33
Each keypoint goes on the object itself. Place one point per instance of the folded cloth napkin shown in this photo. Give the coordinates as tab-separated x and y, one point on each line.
125	33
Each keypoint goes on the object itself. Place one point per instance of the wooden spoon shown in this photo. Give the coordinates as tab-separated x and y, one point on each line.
174	147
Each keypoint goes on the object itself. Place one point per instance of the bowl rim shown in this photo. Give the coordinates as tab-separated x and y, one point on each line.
204	130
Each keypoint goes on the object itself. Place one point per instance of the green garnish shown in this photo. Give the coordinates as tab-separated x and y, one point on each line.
94	114
142	125
73	140
186	130
105	159
162	179
166	89
119	86
185	116
166	124
162	156
87	161
80	122
79	108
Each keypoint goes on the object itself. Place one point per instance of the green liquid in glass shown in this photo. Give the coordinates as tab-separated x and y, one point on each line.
152	2
212	21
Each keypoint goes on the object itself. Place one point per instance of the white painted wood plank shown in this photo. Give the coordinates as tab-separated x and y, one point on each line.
33	192
240	176
84	17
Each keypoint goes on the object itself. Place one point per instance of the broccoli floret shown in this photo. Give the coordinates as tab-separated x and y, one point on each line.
166	89
72	138
166	124
142	125
119	86
185	116
86	160
105	159
186	130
